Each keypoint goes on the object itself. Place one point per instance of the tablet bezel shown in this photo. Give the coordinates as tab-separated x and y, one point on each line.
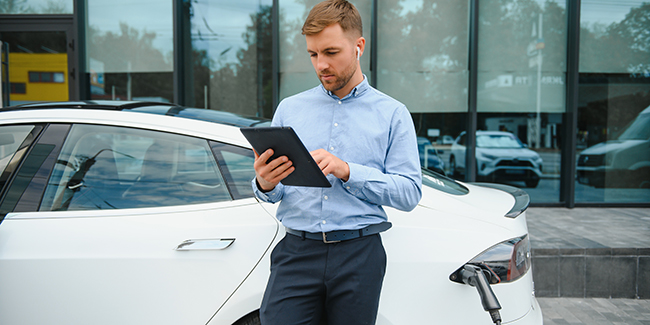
285	142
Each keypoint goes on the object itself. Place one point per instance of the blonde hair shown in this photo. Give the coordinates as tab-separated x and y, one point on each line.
331	12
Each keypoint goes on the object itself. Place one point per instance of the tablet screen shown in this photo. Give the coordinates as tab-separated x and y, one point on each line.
285	142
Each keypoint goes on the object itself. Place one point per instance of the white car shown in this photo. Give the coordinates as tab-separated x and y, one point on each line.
623	162
141	213
500	156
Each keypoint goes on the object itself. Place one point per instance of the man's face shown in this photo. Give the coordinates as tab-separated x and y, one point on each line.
333	54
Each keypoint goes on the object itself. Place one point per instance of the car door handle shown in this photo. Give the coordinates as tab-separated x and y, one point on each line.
205	244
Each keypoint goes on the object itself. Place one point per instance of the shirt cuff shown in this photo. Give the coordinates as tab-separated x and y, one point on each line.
271	196
358	176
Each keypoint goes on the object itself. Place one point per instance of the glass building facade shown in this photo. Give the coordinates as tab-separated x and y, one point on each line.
551	96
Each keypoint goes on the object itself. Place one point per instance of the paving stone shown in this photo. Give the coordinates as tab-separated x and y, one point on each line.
595	311
597	252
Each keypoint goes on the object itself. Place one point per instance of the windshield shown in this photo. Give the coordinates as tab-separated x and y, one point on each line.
638	130
498	141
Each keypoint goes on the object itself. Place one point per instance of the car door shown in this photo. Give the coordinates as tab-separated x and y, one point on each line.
126	226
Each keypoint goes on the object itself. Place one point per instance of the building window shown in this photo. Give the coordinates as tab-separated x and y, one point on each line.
422	61
47	77
521	95
296	72
32	7
229	62
613	138
130	56
18	88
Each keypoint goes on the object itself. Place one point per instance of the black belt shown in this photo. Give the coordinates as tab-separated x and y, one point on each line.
339	235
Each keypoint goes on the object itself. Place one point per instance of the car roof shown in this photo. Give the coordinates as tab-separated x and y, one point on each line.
168	109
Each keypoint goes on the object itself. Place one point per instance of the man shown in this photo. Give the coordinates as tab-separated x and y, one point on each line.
331	263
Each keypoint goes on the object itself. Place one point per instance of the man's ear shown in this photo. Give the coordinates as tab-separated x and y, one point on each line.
360	45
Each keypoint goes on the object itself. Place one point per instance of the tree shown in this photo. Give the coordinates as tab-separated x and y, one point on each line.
14	7
244	86
131	54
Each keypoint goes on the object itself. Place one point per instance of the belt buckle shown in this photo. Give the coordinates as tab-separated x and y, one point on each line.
327	241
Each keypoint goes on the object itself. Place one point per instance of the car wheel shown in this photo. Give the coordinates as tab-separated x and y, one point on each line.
532	182
250	319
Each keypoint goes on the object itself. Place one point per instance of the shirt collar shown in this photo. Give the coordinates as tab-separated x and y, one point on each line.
356	91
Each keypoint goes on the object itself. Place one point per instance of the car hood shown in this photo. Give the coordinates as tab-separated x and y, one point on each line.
521	153
611	146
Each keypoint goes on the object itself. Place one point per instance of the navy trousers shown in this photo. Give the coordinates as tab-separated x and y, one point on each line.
311	280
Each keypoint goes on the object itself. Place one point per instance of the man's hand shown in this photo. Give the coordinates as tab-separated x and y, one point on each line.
331	164
269	175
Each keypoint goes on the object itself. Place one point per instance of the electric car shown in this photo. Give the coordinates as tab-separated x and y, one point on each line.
500	156
143	213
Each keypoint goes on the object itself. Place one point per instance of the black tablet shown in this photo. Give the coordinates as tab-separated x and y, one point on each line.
285	142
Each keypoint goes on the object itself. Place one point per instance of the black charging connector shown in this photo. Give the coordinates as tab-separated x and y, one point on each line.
476	277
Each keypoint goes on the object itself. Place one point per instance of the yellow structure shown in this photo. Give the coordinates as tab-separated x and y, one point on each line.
38	77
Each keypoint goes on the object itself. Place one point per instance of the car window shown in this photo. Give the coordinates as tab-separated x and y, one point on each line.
237	167
639	129
25	188
11	138
442	183
105	167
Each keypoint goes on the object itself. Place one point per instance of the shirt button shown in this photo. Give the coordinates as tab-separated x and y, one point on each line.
331	148
339	102
347	187
325	197
336	124
324	222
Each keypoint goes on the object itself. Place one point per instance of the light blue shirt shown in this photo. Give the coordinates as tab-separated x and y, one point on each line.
370	131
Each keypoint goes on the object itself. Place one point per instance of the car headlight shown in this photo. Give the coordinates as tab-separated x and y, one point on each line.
489	157
506	261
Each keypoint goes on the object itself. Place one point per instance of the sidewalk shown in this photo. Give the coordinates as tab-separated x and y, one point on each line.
595	311
590	252
591	264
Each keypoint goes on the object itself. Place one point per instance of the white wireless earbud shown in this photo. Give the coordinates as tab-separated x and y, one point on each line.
358	52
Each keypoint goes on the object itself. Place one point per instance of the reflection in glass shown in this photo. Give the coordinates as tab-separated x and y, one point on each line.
521	90
613	141
440	130
11	139
38	66
130	50
36	7
422	57
102	167
231	56
500	156
522	58
236	164
423	53
296	72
